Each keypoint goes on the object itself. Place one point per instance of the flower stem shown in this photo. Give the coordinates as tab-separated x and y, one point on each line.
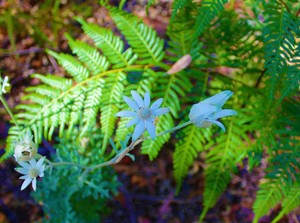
174	129
119	156
8	110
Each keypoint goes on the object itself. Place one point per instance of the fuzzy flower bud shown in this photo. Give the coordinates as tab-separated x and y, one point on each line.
25	149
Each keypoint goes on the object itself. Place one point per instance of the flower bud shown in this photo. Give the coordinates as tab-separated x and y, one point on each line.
25	149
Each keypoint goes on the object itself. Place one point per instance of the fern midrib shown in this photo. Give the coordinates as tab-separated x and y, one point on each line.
140	36
84	82
182	43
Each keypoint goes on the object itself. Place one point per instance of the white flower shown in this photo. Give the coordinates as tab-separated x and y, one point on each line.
31	171
144	115
5	83
25	149
206	112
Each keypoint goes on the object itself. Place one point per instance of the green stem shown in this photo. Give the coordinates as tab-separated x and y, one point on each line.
8	110
173	129
118	157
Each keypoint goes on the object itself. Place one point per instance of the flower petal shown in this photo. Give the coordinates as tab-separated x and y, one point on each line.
200	109
21	170
160	111
25	165
218	99
133	122
147	99
34	184
42	172
126	114
24	177
156	104
199	120
26	182
224	113
131	103
217	123
137	98
32	162
40	162
138	131
150	128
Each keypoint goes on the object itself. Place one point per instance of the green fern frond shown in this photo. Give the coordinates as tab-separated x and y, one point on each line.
143	39
112	46
60	83
290	202
89	56
182	40
171	88
72	66
92	105
112	95
191	142
207	12
282	174
228	150
279	40
177	5
267	197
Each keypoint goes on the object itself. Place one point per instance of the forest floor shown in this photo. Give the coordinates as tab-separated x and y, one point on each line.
147	193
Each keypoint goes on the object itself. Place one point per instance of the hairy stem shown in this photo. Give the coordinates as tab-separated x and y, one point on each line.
8	110
119	156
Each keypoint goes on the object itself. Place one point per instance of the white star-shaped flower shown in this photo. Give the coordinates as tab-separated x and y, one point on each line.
31	171
144	115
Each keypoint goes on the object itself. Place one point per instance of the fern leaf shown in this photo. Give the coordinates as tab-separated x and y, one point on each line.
181	40
89	56
267	197
112	95
111	46
281	174
207	12
290	202
60	83
92	105
72	66
186	150
177	5
279	43
228	150
143	39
